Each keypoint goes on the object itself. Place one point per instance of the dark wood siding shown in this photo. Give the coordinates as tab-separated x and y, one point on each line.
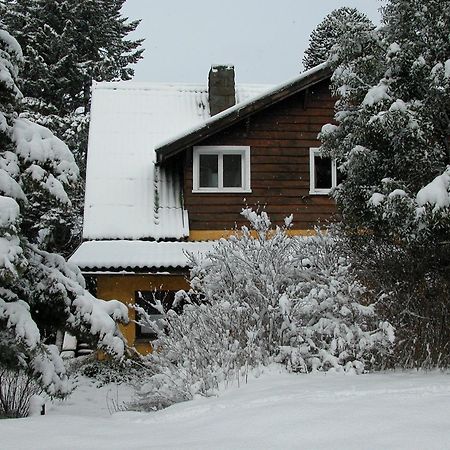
279	138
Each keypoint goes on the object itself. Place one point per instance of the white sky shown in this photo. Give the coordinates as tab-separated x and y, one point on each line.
264	39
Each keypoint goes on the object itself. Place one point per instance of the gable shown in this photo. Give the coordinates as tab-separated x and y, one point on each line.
241	111
279	139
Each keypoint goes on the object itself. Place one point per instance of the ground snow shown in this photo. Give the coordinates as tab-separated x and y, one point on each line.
276	411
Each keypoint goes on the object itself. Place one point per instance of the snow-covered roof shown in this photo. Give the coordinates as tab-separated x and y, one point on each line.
126	197
125	254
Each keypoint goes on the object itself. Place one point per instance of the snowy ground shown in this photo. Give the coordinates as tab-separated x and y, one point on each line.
276	411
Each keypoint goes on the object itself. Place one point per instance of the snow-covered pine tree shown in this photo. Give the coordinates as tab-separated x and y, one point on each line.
391	142
39	290
393	122
335	26
66	45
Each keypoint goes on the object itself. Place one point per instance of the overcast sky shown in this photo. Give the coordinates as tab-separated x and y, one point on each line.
264	39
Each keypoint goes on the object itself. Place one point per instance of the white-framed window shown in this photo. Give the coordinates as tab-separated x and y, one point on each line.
322	173
221	168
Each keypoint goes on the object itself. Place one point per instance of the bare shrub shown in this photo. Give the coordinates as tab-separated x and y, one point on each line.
17	388
413	283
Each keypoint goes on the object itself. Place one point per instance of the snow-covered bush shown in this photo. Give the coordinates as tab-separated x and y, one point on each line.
39	291
338	328
111	370
262	296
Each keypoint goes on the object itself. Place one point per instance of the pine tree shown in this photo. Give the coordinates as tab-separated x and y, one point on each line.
39	291
391	142
393	122
334	27
67	44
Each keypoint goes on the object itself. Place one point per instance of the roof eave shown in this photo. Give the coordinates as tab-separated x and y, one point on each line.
225	119
124	270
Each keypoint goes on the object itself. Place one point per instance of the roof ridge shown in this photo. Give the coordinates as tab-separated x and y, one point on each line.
161	85
145	85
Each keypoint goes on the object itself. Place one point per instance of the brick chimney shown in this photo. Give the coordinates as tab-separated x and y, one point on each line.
221	91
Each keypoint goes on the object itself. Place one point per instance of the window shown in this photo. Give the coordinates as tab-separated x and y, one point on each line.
146	300
221	169
322	173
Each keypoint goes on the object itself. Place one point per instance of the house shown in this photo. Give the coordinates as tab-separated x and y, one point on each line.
170	167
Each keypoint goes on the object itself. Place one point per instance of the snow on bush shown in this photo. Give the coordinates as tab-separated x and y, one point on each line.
437	192
262	296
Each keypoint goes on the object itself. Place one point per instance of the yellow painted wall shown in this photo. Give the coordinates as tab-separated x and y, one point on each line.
123	287
210	235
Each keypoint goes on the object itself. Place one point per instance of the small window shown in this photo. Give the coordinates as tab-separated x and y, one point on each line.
221	169
322	173
146	300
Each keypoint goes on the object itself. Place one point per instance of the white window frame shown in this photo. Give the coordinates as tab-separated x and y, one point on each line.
313	152
221	150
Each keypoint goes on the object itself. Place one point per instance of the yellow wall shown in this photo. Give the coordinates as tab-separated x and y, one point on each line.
123	287
212	235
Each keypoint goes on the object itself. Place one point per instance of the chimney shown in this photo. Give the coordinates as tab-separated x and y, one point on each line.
221	92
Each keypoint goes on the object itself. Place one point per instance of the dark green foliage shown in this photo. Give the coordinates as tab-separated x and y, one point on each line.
392	143
393	115
67	44
413	286
337	25
39	292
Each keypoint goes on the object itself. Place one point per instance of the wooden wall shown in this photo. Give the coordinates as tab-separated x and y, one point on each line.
279	138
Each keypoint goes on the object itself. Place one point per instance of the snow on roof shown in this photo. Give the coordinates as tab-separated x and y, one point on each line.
125	197
136	254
